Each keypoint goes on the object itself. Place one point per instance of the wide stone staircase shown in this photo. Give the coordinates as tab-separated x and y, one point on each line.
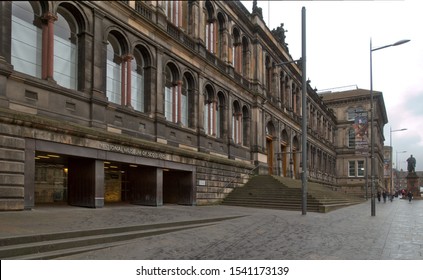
274	192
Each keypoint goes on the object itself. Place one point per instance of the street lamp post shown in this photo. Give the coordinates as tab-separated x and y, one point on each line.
392	154
372	133
304	112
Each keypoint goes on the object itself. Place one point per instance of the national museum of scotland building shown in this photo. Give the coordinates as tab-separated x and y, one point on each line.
154	102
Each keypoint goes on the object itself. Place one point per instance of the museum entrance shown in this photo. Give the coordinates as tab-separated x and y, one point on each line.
79	181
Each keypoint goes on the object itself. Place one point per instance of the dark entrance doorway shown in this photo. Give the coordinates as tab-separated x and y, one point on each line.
178	187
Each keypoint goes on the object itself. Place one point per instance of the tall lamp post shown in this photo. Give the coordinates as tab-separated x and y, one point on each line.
392	154
304	112
372	131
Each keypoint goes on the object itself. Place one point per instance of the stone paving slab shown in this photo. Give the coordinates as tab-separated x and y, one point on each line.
350	233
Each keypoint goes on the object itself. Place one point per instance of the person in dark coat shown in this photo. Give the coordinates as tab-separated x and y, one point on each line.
410	196
378	196
384	196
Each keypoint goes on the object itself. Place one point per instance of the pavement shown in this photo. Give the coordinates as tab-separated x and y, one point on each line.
350	233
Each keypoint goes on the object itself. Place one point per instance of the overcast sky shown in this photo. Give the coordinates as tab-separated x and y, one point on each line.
338	55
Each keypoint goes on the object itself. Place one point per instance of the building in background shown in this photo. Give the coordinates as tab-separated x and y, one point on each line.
353	164
153	102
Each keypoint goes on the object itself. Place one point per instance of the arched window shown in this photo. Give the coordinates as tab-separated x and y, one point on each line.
210	28
65	50
185	95
236	123
245	57
138	82
221	45
172	94
209	111
26	38
188	100
236	51
114	72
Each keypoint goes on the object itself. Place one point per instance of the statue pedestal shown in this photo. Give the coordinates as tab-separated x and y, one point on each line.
413	185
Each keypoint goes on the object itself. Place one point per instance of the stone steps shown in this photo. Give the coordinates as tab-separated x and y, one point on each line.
55	245
283	193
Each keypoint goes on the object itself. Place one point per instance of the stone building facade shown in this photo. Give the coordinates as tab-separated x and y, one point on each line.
353	164
149	102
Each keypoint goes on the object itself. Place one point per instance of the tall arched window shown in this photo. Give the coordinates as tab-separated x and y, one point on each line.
210	28
137	82
184	101
26	38
65	50
209	111
245	57
221	41
236	51
172	95
114	71
236	123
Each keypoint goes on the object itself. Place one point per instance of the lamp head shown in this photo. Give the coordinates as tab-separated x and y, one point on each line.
400	42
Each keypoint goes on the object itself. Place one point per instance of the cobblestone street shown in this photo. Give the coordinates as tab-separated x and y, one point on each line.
345	234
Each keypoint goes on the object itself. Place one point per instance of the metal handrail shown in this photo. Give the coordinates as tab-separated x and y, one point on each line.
239	175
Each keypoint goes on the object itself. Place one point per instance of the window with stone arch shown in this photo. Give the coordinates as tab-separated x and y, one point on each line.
66	49
188	101
221	44
209	111
45	45
236	50
26	41
172	94
236	123
245	57
138	84
210	26
114	70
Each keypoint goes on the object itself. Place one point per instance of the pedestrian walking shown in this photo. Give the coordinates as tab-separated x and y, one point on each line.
384	196
391	197
378	196
410	196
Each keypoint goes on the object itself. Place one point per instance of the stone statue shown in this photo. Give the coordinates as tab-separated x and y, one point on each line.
257	10
411	164
279	34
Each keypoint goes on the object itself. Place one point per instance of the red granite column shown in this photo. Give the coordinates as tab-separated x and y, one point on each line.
128	60
48	46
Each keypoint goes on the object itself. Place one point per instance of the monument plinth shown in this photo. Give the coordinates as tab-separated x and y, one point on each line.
412	178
